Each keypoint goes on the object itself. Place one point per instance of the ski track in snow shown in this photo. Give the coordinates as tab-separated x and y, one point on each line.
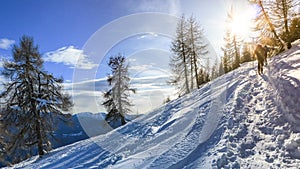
240	120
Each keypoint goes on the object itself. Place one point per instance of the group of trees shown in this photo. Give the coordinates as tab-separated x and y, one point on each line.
30	100
189	49
277	25
190	58
274	22
235	49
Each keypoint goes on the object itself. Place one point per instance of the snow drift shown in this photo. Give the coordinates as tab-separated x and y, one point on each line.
239	120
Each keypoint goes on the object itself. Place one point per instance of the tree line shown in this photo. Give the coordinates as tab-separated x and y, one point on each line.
277	25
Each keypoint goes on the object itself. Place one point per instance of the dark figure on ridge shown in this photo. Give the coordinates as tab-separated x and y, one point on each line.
261	56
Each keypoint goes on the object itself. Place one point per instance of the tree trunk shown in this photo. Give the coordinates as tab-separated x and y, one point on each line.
39	136
237	56
192	77
38	121
285	13
196	69
120	97
185	68
270	24
194	56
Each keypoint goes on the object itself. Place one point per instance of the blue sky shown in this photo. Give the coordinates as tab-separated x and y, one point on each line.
63	28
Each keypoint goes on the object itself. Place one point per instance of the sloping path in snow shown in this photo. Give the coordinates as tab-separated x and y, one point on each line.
231	122
166	137
259	132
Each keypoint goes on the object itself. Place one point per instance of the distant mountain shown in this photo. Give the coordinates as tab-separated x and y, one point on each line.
81	126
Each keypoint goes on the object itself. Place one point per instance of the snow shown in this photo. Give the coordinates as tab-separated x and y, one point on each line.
240	120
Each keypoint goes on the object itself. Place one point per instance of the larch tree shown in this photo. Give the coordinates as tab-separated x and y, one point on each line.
117	100
179	61
188	47
31	99
197	48
228	52
272	21
283	13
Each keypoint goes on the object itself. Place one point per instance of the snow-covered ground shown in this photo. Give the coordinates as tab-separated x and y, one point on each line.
240	120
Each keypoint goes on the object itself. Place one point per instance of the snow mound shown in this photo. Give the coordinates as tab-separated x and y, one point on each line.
240	120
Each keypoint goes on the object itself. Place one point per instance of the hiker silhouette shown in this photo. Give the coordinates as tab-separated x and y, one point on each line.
261	56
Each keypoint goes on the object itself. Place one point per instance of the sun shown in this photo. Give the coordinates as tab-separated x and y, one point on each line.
242	22
241	26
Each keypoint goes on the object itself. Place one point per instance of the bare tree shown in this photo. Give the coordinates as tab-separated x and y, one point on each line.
179	59
197	48
188	47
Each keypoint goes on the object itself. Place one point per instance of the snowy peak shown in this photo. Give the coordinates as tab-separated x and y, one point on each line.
239	120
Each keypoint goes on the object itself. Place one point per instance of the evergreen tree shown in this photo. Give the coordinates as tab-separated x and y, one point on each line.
226	65
215	70
228	53
237	59
32	98
231	48
221	69
117	98
246	54
203	76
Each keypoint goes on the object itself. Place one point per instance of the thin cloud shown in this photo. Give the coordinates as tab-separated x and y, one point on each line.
169	6
139	68
6	43
70	56
87	95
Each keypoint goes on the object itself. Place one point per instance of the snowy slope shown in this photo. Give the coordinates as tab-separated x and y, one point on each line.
80	126
240	120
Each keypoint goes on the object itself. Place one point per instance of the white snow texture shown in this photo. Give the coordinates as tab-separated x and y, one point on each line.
239	120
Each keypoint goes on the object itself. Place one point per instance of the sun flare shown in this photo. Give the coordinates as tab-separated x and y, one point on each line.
242	23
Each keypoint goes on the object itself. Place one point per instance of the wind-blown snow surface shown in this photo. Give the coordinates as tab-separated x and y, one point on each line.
240	120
